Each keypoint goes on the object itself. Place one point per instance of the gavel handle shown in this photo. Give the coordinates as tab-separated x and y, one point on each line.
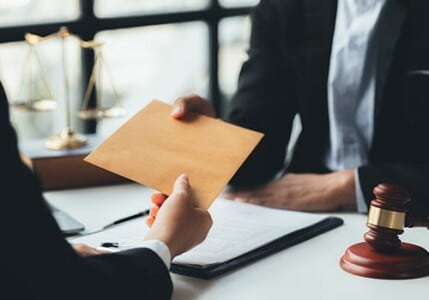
414	221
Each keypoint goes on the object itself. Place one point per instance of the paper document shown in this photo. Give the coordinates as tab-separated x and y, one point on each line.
153	148
237	228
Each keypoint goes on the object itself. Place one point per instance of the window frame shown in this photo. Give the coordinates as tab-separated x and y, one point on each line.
87	25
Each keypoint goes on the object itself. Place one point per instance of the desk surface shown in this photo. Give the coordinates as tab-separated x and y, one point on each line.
309	270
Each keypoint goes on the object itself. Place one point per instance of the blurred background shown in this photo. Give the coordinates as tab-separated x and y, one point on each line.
152	49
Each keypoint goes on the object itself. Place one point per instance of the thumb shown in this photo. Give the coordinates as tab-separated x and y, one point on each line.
181	186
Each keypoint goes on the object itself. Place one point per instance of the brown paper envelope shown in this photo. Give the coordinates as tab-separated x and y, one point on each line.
153	149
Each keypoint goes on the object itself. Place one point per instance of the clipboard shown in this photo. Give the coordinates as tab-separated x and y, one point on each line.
288	240
241	233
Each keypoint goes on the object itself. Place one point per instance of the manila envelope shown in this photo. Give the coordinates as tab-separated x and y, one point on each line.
153	149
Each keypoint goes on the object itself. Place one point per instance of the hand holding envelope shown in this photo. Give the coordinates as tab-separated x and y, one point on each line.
153	149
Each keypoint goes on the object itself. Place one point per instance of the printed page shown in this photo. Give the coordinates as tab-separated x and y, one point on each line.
237	228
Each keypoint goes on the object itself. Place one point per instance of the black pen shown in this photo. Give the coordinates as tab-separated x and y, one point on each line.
122	220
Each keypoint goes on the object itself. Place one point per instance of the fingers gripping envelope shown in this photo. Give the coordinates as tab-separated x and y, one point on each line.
153	149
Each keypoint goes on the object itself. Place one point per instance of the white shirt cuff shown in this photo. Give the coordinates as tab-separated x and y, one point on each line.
160	249
362	207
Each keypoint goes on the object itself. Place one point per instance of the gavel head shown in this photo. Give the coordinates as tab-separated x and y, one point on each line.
386	217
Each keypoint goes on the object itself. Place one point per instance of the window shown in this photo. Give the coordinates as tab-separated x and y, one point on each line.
113	8
22	12
233	43
151	49
155	62
235	3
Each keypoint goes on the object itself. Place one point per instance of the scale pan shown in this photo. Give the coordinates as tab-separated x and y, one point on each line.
114	111
38	105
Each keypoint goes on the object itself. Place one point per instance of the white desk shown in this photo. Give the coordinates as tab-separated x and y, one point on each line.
309	270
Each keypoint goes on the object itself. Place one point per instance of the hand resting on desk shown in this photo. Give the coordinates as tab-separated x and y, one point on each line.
85	250
306	192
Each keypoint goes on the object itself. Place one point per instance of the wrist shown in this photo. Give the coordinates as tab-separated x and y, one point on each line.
166	241
346	194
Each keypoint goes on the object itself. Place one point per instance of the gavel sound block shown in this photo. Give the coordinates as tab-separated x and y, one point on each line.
383	255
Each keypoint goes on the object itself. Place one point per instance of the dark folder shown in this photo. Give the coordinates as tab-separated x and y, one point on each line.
286	241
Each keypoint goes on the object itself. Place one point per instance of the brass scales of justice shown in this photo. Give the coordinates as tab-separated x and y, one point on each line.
39	98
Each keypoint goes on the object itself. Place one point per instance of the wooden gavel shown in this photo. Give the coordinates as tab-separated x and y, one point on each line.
383	255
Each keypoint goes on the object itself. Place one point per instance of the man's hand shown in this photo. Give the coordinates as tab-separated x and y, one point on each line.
176	221
306	192
85	250
192	104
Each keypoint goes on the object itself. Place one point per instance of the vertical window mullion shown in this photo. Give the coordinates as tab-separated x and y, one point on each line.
87	17
213	23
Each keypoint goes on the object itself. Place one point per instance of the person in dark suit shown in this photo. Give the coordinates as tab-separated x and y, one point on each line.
356	74
38	263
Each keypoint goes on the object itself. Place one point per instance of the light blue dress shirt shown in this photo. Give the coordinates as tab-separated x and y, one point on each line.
351	87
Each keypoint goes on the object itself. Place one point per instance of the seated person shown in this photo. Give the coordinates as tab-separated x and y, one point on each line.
355	73
38	263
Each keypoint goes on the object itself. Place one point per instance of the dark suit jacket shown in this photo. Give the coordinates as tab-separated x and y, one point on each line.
38	263
286	74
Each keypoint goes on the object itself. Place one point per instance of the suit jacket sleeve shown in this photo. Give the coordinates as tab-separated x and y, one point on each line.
415	177
39	263
265	100
400	152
